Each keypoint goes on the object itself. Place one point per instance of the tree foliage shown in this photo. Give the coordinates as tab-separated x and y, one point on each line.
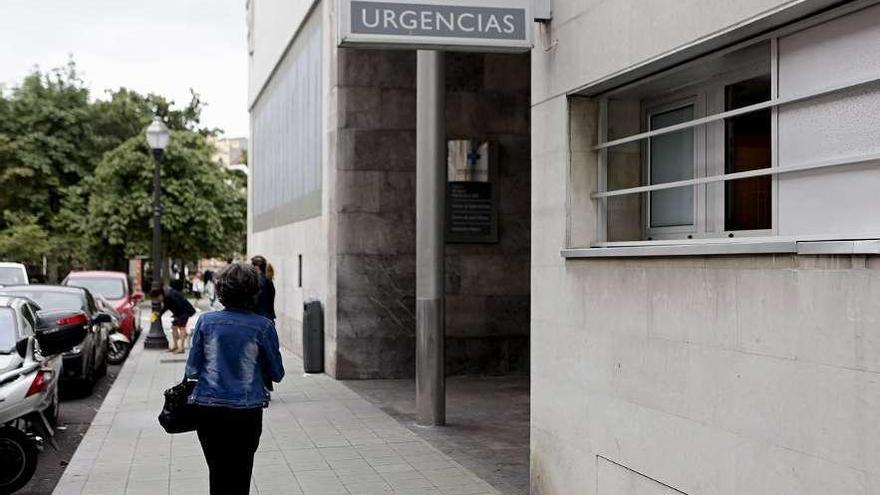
77	178
203	205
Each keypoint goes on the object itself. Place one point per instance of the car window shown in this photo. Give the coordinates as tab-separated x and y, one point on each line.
91	303
7	330
51	300
29	317
111	288
10	275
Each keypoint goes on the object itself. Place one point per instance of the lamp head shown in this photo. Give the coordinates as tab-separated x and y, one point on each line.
158	135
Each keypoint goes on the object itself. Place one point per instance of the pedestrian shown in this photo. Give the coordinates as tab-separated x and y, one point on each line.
172	299
266	297
197	286
234	352
210	292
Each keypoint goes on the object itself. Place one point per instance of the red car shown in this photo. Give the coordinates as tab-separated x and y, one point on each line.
115	287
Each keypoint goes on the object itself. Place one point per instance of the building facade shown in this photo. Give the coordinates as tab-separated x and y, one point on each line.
687	246
704	271
230	152
332	195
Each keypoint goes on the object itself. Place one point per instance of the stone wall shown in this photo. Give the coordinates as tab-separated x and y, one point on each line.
487	285
375	214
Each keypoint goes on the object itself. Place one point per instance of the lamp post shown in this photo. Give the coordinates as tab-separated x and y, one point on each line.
157	137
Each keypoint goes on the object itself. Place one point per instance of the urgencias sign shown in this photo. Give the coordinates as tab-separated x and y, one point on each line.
479	25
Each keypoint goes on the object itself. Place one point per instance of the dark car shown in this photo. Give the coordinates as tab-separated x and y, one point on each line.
87	361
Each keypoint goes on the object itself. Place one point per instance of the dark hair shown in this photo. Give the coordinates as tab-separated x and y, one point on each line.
176	284
154	293
260	262
237	286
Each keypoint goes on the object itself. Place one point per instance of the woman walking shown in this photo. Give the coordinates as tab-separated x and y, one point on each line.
234	354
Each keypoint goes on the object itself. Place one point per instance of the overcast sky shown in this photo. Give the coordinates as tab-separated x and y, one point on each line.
161	46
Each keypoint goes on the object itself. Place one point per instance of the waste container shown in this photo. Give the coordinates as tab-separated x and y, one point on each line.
313	337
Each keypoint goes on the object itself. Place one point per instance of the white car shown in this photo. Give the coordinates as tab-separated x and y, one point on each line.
13	274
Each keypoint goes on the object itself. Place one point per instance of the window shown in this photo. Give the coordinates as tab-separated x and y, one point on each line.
29	319
111	288
660	146
672	157
12	276
8	336
768	146
287	121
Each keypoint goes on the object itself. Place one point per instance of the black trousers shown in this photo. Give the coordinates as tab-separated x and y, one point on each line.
229	439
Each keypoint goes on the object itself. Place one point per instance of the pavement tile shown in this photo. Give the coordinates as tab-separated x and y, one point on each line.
319	438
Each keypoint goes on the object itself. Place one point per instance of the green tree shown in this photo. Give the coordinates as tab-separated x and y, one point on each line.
24	240
46	142
204	205
77	179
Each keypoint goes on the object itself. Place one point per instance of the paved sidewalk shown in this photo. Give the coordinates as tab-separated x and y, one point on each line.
319	438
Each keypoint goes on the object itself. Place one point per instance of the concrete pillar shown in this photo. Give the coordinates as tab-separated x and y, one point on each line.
430	214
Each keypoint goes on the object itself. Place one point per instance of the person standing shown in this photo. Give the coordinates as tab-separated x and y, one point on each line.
172	299
210	292
197	286
234	353
266	297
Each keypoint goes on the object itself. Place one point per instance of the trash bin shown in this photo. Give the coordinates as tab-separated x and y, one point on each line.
313	337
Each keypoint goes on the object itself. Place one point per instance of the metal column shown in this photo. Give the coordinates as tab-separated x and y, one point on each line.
430	214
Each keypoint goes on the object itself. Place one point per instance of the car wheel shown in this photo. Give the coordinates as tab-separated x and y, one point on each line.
18	459
118	352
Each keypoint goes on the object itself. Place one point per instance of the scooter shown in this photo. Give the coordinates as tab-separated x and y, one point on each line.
29	395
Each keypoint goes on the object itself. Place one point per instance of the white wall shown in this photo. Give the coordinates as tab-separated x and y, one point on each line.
281	246
275	24
593	39
314	238
722	375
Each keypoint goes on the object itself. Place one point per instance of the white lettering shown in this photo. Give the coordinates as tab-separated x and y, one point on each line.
492	23
450	23
461	26
427	25
408	19
389	19
479	23
375	23
508	24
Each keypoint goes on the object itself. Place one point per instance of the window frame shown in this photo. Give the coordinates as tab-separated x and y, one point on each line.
659	106
708	98
592	241
716	147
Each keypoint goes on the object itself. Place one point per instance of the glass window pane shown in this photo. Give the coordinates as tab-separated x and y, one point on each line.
672	159
747	202
7	331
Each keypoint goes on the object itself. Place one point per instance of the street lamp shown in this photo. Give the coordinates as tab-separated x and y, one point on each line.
157	137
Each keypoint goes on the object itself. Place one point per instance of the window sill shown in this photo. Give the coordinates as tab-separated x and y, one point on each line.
729	248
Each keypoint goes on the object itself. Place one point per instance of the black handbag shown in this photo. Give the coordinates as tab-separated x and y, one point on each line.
178	415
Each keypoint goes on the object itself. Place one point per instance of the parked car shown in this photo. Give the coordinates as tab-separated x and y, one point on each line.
13	274
86	362
30	341
120	345
116	288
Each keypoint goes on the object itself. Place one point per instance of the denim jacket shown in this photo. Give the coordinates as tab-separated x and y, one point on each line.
234	355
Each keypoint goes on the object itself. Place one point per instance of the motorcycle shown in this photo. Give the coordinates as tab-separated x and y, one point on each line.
120	346
119	343
29	376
